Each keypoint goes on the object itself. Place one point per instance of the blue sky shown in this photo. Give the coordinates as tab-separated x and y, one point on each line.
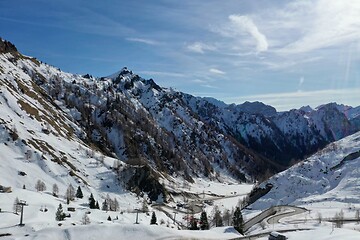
284	53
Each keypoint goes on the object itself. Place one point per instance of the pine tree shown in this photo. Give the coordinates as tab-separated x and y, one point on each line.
105	206
116	205
217	219
193	224
109	218
226	217
204	224
109	202
238	221
144	206
55	190
79	193
153	218
97	205
59	215
92	203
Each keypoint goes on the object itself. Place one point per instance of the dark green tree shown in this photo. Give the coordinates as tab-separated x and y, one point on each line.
238	221
153	218
105	206
109	218
217	219
97	205
59	215
204	224
79	193
92	203
193	224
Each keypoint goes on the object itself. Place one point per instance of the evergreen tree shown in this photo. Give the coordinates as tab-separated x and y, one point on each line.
97	205
227	217
79	193
238	221
109	218
217	219
153	218
193	224
204	224
144	206
116	205
105	206
55	190
92	203
59	215
110	203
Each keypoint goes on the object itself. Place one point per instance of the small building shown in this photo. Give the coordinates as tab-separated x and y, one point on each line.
71	209
276	236
5	189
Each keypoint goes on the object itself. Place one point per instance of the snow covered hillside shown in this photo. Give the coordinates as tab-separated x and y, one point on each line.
331	175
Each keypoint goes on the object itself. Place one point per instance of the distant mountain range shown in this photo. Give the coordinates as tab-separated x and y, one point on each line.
173	133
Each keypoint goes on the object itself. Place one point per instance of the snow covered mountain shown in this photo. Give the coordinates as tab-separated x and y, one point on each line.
130	120
280	136
330	175
138	122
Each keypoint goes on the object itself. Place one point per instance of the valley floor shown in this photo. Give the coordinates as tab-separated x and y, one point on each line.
42	225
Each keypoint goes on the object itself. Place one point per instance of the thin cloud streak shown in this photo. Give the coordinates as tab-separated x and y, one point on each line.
143	40
217	71
199	47
164	74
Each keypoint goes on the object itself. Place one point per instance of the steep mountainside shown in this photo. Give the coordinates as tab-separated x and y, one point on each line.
280	136
330	175
171	133
122	116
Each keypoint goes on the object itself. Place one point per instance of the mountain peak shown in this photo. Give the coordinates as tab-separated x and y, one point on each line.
6	46
122	72
257	108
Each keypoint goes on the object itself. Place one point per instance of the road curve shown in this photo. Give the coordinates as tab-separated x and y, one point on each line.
289	211
273	211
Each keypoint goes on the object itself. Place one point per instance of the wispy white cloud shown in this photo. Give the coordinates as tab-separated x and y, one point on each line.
245	24
279	64
164	74
199	81
217	71
209	86
301	81
200	47
320	24
143	40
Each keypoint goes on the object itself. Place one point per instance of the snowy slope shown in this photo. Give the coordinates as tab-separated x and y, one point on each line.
330	175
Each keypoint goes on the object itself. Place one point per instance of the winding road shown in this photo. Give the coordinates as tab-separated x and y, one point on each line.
277	213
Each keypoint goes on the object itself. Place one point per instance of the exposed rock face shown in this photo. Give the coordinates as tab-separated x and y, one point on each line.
6	46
